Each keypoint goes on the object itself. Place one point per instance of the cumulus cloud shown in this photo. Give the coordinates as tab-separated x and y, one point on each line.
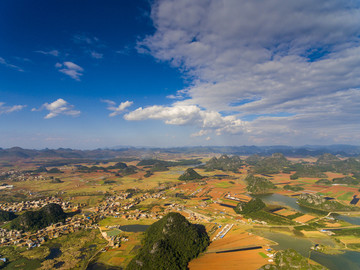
7	64
189	115
263	57
71	69
116	110
9	109
58	107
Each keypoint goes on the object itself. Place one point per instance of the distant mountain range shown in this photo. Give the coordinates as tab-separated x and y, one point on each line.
67	153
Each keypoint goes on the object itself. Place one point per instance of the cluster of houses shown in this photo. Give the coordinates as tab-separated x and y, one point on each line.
16	176
35	204
120	204
34	239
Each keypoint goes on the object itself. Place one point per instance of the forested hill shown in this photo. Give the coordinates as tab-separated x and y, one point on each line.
170	243
34	220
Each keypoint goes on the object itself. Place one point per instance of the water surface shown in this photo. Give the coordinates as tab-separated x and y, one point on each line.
134	228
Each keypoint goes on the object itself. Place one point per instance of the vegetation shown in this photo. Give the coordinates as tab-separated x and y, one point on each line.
253	205
293	188
307	171
6	216
318	202
189	175
148	174
54	170
323	182
344	232
271	165
327	159
224	163
258	185
256	210
119	165
36	220
253	159
290	259
159	167
170	243
182	162
56	181
346	180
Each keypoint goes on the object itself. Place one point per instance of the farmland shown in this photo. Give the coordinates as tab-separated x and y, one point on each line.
118	194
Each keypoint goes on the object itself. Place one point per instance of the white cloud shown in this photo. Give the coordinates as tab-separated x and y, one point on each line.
9	109
82	38
6	64
52	52
96	55
264	57
189	115
71	69
116	110
58	107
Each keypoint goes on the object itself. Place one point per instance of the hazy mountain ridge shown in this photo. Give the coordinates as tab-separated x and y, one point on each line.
301	151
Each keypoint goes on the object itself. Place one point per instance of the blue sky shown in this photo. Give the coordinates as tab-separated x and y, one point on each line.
88	74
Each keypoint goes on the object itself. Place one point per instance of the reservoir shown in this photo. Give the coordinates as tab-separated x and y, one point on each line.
347	260
286	201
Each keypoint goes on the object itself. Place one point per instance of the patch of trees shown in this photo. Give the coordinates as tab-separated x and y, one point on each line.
56	180
182	162
54	170
253	159
328	162
258	185
119	165
271	165
86	169
36	220
318	202
293	188
224	163
40	169
6	215
159	167
307	171
254	205
256	209
148	174
170	243
122	168
128	170
290	259
348	180
323	182
190	175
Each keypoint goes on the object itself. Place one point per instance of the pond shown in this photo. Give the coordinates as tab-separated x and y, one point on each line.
55	252
99	266
134	228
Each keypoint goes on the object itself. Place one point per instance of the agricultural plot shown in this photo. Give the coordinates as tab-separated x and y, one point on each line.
304	218
285	212
235	239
